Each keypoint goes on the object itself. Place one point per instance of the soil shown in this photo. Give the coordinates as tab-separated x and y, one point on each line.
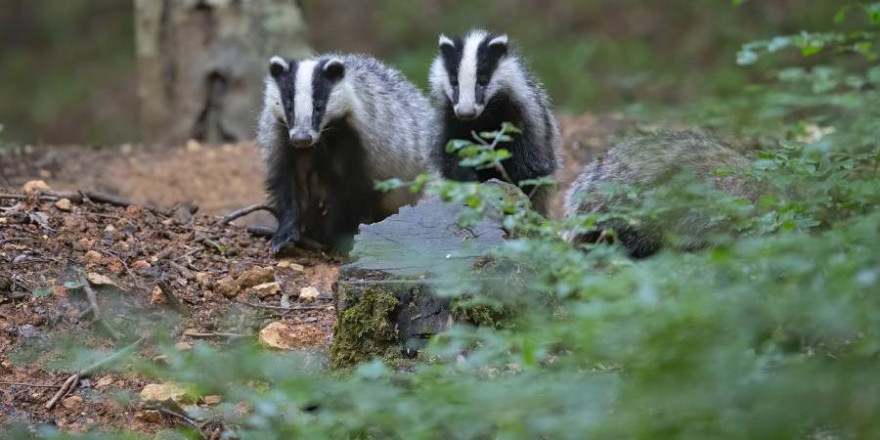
124	254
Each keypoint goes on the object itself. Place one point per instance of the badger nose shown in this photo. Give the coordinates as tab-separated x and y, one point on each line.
466	113
300	138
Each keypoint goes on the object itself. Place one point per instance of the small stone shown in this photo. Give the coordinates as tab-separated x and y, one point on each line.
100	280
281	336
140	265
193	145
266	289
105	382
204	279
35	186
156	392
93	256
255	276
63	204
157	297
72	402
227	287
212	399
309	293
183	346
287	264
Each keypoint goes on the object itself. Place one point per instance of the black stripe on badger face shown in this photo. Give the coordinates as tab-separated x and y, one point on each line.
305	89
470	64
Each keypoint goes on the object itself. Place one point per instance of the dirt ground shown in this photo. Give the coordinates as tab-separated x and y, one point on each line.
214	283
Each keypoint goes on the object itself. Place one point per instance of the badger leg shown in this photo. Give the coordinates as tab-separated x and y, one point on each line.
281	186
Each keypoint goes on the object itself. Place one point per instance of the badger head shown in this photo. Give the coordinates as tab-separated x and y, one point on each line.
468	70
301	95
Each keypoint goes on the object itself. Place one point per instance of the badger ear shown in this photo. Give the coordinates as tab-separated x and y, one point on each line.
498	46
278	66
334	69
445	43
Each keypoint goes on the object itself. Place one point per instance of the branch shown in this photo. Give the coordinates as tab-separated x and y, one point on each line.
245	211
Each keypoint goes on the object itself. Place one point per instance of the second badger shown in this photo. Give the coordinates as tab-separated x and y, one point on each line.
330	127
478	83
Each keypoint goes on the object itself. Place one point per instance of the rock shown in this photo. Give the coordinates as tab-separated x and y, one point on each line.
287	264
212	399
309	293
266	289
100	280
104	382
157	393
227	287
157	297
255	276
72	402
63	204
193	146
36	186
281	336
183	346
140	265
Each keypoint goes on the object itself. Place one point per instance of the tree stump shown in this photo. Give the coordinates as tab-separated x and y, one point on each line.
202	63
385	300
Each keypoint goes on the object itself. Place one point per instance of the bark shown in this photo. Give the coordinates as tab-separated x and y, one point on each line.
202	64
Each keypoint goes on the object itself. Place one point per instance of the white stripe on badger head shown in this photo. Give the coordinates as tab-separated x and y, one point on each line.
303	105
467	71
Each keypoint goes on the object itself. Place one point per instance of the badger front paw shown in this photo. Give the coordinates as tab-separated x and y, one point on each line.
284	240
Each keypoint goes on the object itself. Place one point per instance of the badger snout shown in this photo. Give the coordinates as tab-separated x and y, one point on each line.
301	138
468	112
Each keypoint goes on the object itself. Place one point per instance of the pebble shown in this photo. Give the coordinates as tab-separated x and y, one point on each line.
63	204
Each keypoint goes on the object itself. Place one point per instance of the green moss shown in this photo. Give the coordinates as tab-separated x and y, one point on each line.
481	315
363	331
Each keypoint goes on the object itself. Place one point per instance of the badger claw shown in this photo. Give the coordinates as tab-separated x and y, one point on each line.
284	241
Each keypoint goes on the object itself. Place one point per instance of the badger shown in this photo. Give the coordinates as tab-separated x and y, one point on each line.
651	160
330	127
479	82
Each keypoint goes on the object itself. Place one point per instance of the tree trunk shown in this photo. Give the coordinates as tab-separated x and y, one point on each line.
202	64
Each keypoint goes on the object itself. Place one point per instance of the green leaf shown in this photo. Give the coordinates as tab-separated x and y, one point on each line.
42	292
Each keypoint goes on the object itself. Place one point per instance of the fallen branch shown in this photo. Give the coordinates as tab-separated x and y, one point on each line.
71	381
245	211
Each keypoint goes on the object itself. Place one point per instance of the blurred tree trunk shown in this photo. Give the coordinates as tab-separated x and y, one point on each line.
201	64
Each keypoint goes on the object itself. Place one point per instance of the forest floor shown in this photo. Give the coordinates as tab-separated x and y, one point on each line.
104	275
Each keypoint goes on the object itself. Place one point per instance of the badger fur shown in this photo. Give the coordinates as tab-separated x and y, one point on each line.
648	161
330	127
479	82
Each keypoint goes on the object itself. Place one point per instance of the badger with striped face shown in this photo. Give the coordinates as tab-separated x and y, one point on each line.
479	82
330	127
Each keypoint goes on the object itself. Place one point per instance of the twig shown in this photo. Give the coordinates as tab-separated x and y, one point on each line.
285	309
192	423
184	272
169	295
35	385
245	211
87	371
92	297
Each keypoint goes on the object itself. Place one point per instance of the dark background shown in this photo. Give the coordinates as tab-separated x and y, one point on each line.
68	73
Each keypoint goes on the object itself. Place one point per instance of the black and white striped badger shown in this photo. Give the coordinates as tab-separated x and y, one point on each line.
330	127
478	82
